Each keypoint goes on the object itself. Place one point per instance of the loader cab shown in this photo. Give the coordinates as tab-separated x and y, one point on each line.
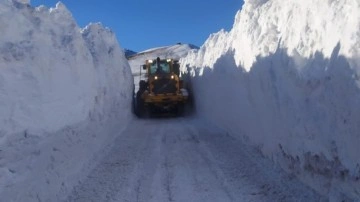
162	89
162	76
161	68
158	66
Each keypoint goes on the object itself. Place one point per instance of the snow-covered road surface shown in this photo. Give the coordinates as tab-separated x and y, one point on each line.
186	160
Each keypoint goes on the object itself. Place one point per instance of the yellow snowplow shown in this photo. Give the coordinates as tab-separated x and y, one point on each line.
162	90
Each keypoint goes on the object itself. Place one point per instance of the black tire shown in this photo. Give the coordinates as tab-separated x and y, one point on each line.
133	101
180	109
142	85
139	105
148	112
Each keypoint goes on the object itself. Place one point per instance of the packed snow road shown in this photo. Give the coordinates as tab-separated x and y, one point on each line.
185	160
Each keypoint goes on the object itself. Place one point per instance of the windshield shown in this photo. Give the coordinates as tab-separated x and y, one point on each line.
161	68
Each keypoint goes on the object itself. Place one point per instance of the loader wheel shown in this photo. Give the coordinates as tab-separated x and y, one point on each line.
134	101
142	85
148	112
139	105
180	109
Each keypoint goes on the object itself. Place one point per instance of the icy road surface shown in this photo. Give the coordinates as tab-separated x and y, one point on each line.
185	160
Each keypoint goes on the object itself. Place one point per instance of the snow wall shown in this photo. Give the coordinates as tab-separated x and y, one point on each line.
286	79
65	94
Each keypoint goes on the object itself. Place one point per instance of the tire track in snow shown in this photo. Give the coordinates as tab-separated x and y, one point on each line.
249	175
185	160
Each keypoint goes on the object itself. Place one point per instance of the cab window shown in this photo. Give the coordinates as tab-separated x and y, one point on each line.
163	67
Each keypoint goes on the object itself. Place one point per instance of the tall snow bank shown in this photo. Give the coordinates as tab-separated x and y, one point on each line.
285	78
303	28
47	72
65	93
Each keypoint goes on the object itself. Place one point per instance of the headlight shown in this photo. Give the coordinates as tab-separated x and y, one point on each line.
172	76
155	77
150	61
168	60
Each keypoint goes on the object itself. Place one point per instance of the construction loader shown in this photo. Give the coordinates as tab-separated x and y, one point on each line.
161	91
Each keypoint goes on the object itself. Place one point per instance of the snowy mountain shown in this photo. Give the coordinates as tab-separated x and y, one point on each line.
176	51
60	86
286	79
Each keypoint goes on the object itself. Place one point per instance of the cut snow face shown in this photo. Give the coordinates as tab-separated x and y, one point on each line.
174	51
50	72
60	87
285	79
302	28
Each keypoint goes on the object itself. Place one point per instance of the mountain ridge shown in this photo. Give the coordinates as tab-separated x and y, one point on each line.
170	50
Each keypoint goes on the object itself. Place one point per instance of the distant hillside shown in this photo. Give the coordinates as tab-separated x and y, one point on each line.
173	51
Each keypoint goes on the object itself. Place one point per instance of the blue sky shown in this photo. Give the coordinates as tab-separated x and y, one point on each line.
144	24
